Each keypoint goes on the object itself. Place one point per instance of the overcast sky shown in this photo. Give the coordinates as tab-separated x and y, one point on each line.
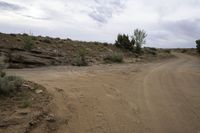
168	23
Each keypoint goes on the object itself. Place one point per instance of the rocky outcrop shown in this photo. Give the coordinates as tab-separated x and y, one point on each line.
19	58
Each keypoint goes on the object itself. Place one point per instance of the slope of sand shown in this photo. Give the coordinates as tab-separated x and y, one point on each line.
161	97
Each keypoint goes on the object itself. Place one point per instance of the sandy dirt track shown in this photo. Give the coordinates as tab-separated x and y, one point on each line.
162	97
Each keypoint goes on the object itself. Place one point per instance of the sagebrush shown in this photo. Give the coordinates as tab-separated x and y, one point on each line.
28	43
81	58
9	84
114	58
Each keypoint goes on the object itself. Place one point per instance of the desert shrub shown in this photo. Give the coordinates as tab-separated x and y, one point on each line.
34	38
37	42
14	35
24	34
105	44
167	51
28	43
113	58
96	43
9	84
57	38
2	74
150	50
81	59
46	40
18	39
68	39
198	46
183	50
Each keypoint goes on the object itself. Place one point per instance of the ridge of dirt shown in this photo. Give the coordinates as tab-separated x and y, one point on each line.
46	51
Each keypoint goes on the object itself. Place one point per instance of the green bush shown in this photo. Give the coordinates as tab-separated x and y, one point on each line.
28	43
139	37
198	46
81	59
2	74
105	44
9	84
167	51
124	42
150	50
114	58
46	40
183	50
132	43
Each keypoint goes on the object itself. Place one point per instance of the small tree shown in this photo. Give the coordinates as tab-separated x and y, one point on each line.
139	37
123	41
198	45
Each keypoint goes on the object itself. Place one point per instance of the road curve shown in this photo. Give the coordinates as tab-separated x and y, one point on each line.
171	95
161	97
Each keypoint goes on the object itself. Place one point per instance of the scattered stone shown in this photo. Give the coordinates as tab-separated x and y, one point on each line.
32	123
3	125
50	118
138	60
23	112
58	89
28	87
38	91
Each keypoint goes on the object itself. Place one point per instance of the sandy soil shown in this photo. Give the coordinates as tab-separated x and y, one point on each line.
162	97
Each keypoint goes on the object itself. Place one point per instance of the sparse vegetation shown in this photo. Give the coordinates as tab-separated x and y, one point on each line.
198	46
2	74
26	103
46	40
113	58
55	51
183	50
81	59
134	44
28	43
167	51
151	51
9	84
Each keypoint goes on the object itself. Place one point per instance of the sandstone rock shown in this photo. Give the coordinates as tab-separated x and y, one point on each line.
28	87
50	118
38	91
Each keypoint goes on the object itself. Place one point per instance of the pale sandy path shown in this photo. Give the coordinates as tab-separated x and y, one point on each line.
143	98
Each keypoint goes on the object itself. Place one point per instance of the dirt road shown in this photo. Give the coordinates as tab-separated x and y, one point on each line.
159	97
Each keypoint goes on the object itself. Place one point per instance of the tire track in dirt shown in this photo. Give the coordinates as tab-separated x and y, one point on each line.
153	97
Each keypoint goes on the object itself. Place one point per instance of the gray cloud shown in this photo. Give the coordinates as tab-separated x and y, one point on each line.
180	33
173	24
104	10
37	18
9	6
185	28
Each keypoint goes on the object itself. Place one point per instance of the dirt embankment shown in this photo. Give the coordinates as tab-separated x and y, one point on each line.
23	51
154	97
26	110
